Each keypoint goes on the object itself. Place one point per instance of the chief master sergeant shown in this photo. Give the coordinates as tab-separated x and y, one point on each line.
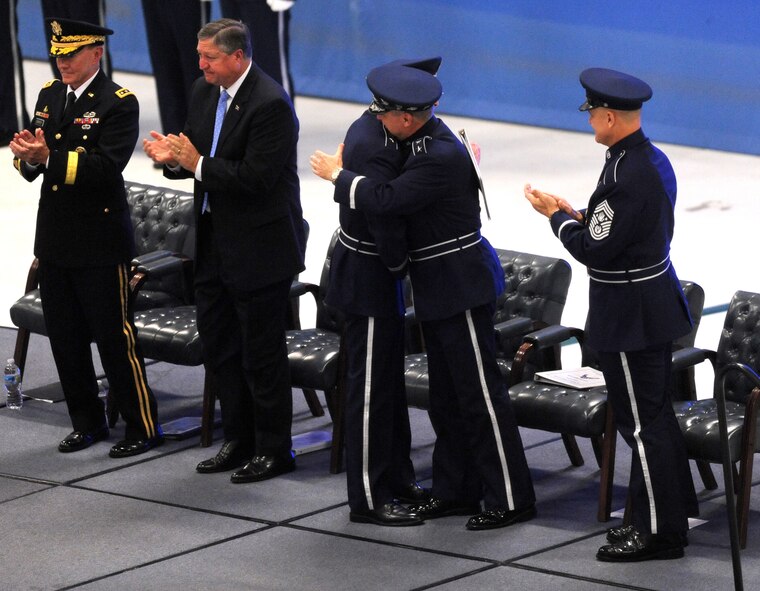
636	310
82	136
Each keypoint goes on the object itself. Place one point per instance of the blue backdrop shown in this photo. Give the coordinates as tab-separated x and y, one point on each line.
517	60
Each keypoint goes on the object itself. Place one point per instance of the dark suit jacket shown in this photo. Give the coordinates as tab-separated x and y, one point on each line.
83	217
251	181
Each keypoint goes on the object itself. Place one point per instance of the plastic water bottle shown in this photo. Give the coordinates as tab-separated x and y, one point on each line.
12	382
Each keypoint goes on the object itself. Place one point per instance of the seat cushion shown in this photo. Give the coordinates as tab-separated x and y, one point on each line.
699	424
313	355
26	312
558	409
170	335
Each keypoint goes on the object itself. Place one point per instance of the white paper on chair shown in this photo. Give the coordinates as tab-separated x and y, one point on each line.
580	378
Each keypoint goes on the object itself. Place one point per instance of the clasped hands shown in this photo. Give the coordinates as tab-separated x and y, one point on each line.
172	150
30	147
548	204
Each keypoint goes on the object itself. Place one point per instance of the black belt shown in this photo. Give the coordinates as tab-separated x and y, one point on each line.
359	246
630	275
445	247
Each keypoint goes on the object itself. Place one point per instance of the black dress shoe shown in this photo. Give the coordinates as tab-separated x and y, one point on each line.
232	454
134	447
637	547
436	507
264	468
623	532
391	514
494	518
77	440
412	493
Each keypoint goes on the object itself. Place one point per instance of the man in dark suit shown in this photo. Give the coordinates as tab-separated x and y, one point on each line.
82	136
250	243
171	29
456	277
13	115
636	309
269	23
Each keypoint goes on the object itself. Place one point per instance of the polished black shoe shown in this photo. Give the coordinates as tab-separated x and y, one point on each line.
232	454
494	518
413	493
623	532
637	547
435	507
77	440
263	468
135	447
391	514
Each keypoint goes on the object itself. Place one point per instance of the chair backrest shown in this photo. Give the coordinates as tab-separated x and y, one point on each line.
162	219
695	297
328	318
740	342
537	288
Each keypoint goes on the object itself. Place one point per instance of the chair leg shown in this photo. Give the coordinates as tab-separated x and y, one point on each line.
22	346
708	478
313	402
607	465
745	488
338	432
112	409
207	414
573	452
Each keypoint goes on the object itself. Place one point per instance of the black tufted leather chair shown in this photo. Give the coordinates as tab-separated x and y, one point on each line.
163	224
584	413
738	357
534	297
315	354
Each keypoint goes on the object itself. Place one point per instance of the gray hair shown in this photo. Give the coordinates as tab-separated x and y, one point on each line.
228	35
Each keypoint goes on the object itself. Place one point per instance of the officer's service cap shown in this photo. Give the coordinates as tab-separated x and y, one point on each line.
67	36
404	85
613	90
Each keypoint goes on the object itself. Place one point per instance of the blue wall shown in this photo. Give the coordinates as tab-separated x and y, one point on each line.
518	60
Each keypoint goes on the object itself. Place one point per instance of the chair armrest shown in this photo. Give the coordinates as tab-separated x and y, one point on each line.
543	338
514	327
149	257
32	278
691	356
299	288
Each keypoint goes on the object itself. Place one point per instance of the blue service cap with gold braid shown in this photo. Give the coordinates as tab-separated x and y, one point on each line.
400	87
67	36
613	90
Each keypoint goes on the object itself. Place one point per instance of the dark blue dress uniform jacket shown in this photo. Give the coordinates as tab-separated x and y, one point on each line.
361	283
437	185
83	217
635	299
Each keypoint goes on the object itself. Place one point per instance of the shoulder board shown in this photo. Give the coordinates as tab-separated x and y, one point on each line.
48	84
123	92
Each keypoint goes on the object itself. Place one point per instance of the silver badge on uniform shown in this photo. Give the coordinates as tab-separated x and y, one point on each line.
601	221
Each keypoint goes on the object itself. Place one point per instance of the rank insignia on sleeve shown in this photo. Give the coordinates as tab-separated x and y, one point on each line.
601	221
123	92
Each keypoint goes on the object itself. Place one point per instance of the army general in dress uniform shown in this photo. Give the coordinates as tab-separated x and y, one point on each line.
456	278
636	309
83	132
